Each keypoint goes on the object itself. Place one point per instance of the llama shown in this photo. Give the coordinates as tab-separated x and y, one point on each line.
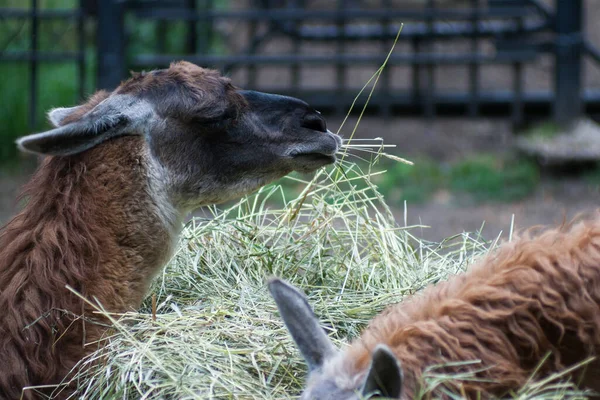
105	207
535	297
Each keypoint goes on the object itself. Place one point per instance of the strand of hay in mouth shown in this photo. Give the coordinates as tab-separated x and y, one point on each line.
375	145
349	143
372	146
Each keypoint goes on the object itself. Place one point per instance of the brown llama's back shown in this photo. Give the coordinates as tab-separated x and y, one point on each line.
530	297
530	307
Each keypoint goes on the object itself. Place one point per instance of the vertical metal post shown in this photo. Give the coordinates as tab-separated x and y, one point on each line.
296	48
110	41
473	106
160	35
81	49
430	94
517	113
33	65
415	70
191	45
205	30
340	68
386	84
568	64
252	31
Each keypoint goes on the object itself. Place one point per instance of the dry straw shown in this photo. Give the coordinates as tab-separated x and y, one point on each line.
217	334
214	332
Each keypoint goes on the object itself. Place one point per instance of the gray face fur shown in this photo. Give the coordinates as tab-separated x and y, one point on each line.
329	375
208	141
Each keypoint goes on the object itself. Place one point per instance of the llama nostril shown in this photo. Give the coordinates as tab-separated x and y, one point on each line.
314	122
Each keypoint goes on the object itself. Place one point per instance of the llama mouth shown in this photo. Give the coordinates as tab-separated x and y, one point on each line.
311	156
328	144
329	158
309	162
300	152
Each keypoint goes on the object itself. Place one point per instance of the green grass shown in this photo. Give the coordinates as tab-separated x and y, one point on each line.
57	87
57	82
482	178
488	178
411	183
592	177
217	333
546	130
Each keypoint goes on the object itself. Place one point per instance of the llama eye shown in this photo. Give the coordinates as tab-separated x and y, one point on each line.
314	122
213	123
216	121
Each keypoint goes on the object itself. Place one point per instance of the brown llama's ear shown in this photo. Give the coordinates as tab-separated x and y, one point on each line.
116	116
302	324
385	377
57	115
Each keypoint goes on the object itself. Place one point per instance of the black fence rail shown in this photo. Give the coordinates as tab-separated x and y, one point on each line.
324	51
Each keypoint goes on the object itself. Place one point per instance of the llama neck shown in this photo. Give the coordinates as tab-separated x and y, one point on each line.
93	222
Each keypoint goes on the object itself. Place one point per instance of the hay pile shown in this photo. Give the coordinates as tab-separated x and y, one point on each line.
217	333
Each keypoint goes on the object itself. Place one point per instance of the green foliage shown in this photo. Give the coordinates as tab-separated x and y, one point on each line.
592	177
483	178
411	183
57	86
13	113
488	178
56	82
544	130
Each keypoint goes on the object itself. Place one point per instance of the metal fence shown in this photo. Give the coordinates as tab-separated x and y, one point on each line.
30	18
341	42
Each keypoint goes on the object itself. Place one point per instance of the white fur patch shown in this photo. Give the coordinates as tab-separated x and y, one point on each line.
158	183
340	370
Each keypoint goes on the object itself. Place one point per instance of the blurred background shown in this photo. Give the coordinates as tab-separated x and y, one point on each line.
494	100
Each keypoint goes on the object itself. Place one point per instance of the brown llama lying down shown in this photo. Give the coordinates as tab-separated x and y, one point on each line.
105	208
531	297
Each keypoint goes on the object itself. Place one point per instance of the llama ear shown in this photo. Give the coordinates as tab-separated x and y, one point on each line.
57	115
385	376
116	116
302	324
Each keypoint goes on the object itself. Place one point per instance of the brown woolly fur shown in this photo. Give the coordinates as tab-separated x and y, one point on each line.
186	98
534	296
81	230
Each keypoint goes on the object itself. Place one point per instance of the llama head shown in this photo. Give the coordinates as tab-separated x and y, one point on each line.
208	140
329	377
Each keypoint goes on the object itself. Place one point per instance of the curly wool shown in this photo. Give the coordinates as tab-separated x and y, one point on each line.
533	296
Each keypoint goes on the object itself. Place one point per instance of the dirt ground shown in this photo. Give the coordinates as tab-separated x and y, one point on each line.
553	202
556	198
